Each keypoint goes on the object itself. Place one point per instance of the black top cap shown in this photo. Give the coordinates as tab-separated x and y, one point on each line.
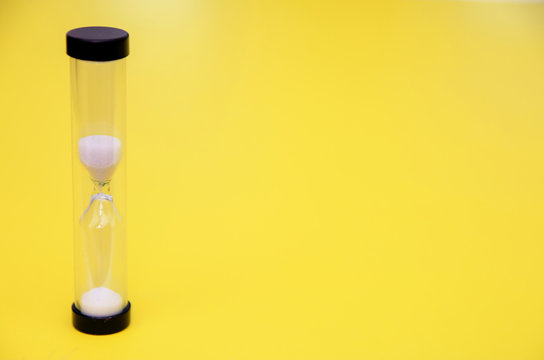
97	43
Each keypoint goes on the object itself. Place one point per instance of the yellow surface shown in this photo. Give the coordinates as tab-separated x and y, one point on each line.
307	180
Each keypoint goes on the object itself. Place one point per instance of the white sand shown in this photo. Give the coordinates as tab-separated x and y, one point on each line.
101	302
100	154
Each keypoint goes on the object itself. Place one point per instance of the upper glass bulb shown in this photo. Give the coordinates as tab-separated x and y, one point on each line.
100	154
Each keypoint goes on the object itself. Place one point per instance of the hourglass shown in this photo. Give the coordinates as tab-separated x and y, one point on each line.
97	69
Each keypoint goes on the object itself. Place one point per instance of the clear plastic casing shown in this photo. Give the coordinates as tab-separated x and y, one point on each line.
99	179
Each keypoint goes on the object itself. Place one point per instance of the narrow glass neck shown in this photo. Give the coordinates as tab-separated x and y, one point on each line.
101	187
101	191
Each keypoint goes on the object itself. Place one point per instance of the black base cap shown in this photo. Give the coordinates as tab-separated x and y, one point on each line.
100	325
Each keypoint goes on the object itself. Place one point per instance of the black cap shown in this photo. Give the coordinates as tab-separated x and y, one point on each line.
97	43
101	325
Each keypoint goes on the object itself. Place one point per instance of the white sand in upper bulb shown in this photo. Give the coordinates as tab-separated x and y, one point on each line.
100	302
100	154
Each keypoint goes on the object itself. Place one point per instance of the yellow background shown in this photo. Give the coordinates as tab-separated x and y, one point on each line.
307	180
